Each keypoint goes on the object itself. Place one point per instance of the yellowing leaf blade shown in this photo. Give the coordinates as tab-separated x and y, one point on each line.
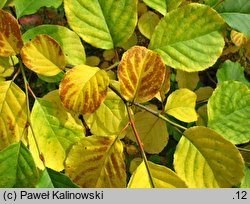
97	162
204	159
43	55
163	177
181	105
141	73
84	88
10	35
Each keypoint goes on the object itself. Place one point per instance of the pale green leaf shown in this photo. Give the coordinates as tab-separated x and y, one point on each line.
60	130
187	80
163	177
25	7
231	71
53	179
102	23
67	39
204	159
141	73
237	14
152	131
17	167
84	88
228	111
245	183
181	105
189	48
147	23
2	3
97	162
13	113
109	118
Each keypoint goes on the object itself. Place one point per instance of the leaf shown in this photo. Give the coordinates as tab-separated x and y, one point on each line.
53	179
204	93
17	167
13	113
163	177
152	131
228	111
97	162
204	159
102	23
43	55
189	48
236	15
163	6
2	3
181	105
187	80
67	39
84	88
231	71
147	23
245	183
202	116
141	73
109	118
25	7
6	67
60	130
10	35
237	38
52	79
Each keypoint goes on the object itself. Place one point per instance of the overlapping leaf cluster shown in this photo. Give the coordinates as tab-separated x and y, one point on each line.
39	142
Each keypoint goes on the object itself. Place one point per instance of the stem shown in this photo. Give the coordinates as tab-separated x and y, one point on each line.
112	66
26	85
243	149
138	139
218	4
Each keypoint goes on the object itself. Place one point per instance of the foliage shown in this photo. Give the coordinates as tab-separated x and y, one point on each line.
142	113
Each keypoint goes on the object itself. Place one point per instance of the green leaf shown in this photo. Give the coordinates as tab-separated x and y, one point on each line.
25	7
10	35
110	117
67	39
152	131
141	73
189	48
17	167
36	56
97	162
163	6
60	130
13	113
231	71
2	3
53	179
228	111
181	105
245	183
52	79
102	23
187	80
204	159
163	177
84	88
6	66
237	15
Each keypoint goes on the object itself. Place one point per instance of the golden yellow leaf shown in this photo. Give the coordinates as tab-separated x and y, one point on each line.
43	55
97	162
10	35
238	38
84	88
141	73
163	177
13	113
181	105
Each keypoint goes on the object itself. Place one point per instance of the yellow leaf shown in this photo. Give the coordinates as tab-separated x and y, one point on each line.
141	73
204	159
181	105
84	88
10	35
238	38
187	80
60	130
163	177
97	162
13	113
152	131
43	55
